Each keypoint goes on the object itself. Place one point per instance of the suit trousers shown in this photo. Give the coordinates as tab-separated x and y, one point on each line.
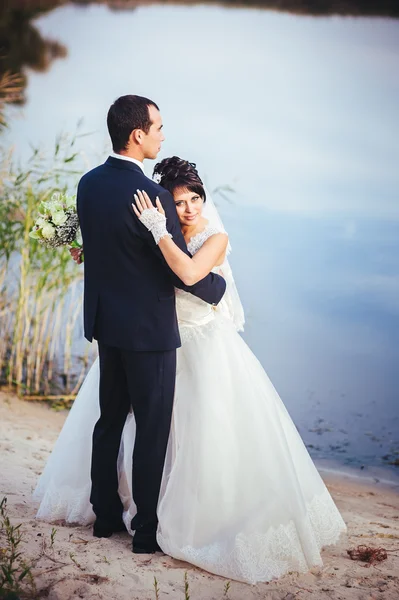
144	381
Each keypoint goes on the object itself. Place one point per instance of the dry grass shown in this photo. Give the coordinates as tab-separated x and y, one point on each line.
11	90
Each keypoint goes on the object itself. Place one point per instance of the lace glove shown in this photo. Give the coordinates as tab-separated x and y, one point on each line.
155	222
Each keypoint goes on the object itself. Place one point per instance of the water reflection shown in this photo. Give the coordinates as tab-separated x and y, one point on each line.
300	116
22	46
325	325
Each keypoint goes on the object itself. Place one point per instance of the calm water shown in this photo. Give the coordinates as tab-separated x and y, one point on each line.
301	117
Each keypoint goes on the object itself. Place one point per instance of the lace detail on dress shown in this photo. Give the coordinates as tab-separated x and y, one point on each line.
65	503
265	556
197	241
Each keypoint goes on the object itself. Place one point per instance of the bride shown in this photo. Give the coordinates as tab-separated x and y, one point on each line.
240	495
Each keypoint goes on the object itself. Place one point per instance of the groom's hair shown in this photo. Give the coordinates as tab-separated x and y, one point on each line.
126	114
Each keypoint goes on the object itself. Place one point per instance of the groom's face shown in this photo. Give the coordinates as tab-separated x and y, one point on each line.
152	141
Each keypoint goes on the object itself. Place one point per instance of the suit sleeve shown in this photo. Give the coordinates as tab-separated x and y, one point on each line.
210	289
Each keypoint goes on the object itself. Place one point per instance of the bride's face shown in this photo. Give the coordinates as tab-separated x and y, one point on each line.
188	206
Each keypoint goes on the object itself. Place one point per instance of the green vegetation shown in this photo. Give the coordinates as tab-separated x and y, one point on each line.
15	573
186	589
22	46
40	287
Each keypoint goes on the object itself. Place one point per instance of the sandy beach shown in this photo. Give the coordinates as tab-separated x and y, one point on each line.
73	564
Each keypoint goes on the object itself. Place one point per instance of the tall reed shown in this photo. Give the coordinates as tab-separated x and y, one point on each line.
40	288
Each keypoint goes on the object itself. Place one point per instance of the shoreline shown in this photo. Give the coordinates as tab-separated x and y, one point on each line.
371	475
77	565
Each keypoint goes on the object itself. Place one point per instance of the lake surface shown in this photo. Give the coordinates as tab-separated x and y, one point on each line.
300	116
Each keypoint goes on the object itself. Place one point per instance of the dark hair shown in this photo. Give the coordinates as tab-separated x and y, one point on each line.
126	114
174	172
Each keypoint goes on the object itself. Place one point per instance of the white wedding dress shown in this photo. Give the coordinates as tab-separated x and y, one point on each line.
240	495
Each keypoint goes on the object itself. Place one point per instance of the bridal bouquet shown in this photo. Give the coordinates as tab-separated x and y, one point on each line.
57	223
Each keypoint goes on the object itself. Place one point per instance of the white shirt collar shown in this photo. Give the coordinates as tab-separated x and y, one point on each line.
133	160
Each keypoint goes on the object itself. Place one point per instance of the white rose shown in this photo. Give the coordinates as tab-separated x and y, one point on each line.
70	201
53	206
48	231
47	208
59	217
41	222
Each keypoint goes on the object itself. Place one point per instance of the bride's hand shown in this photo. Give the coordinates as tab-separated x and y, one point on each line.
152	218
143	202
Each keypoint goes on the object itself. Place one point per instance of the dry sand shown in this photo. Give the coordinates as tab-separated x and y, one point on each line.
80	566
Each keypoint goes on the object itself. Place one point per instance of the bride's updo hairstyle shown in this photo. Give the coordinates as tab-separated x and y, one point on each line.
174	172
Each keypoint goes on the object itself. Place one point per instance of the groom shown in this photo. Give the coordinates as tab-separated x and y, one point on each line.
129	308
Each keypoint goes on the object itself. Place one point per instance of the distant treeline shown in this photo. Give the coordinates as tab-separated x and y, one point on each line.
386	8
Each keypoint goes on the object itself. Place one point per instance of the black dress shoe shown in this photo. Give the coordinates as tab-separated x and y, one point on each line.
102	529
138	549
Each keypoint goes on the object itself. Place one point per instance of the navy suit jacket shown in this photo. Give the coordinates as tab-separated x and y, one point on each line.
129	296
